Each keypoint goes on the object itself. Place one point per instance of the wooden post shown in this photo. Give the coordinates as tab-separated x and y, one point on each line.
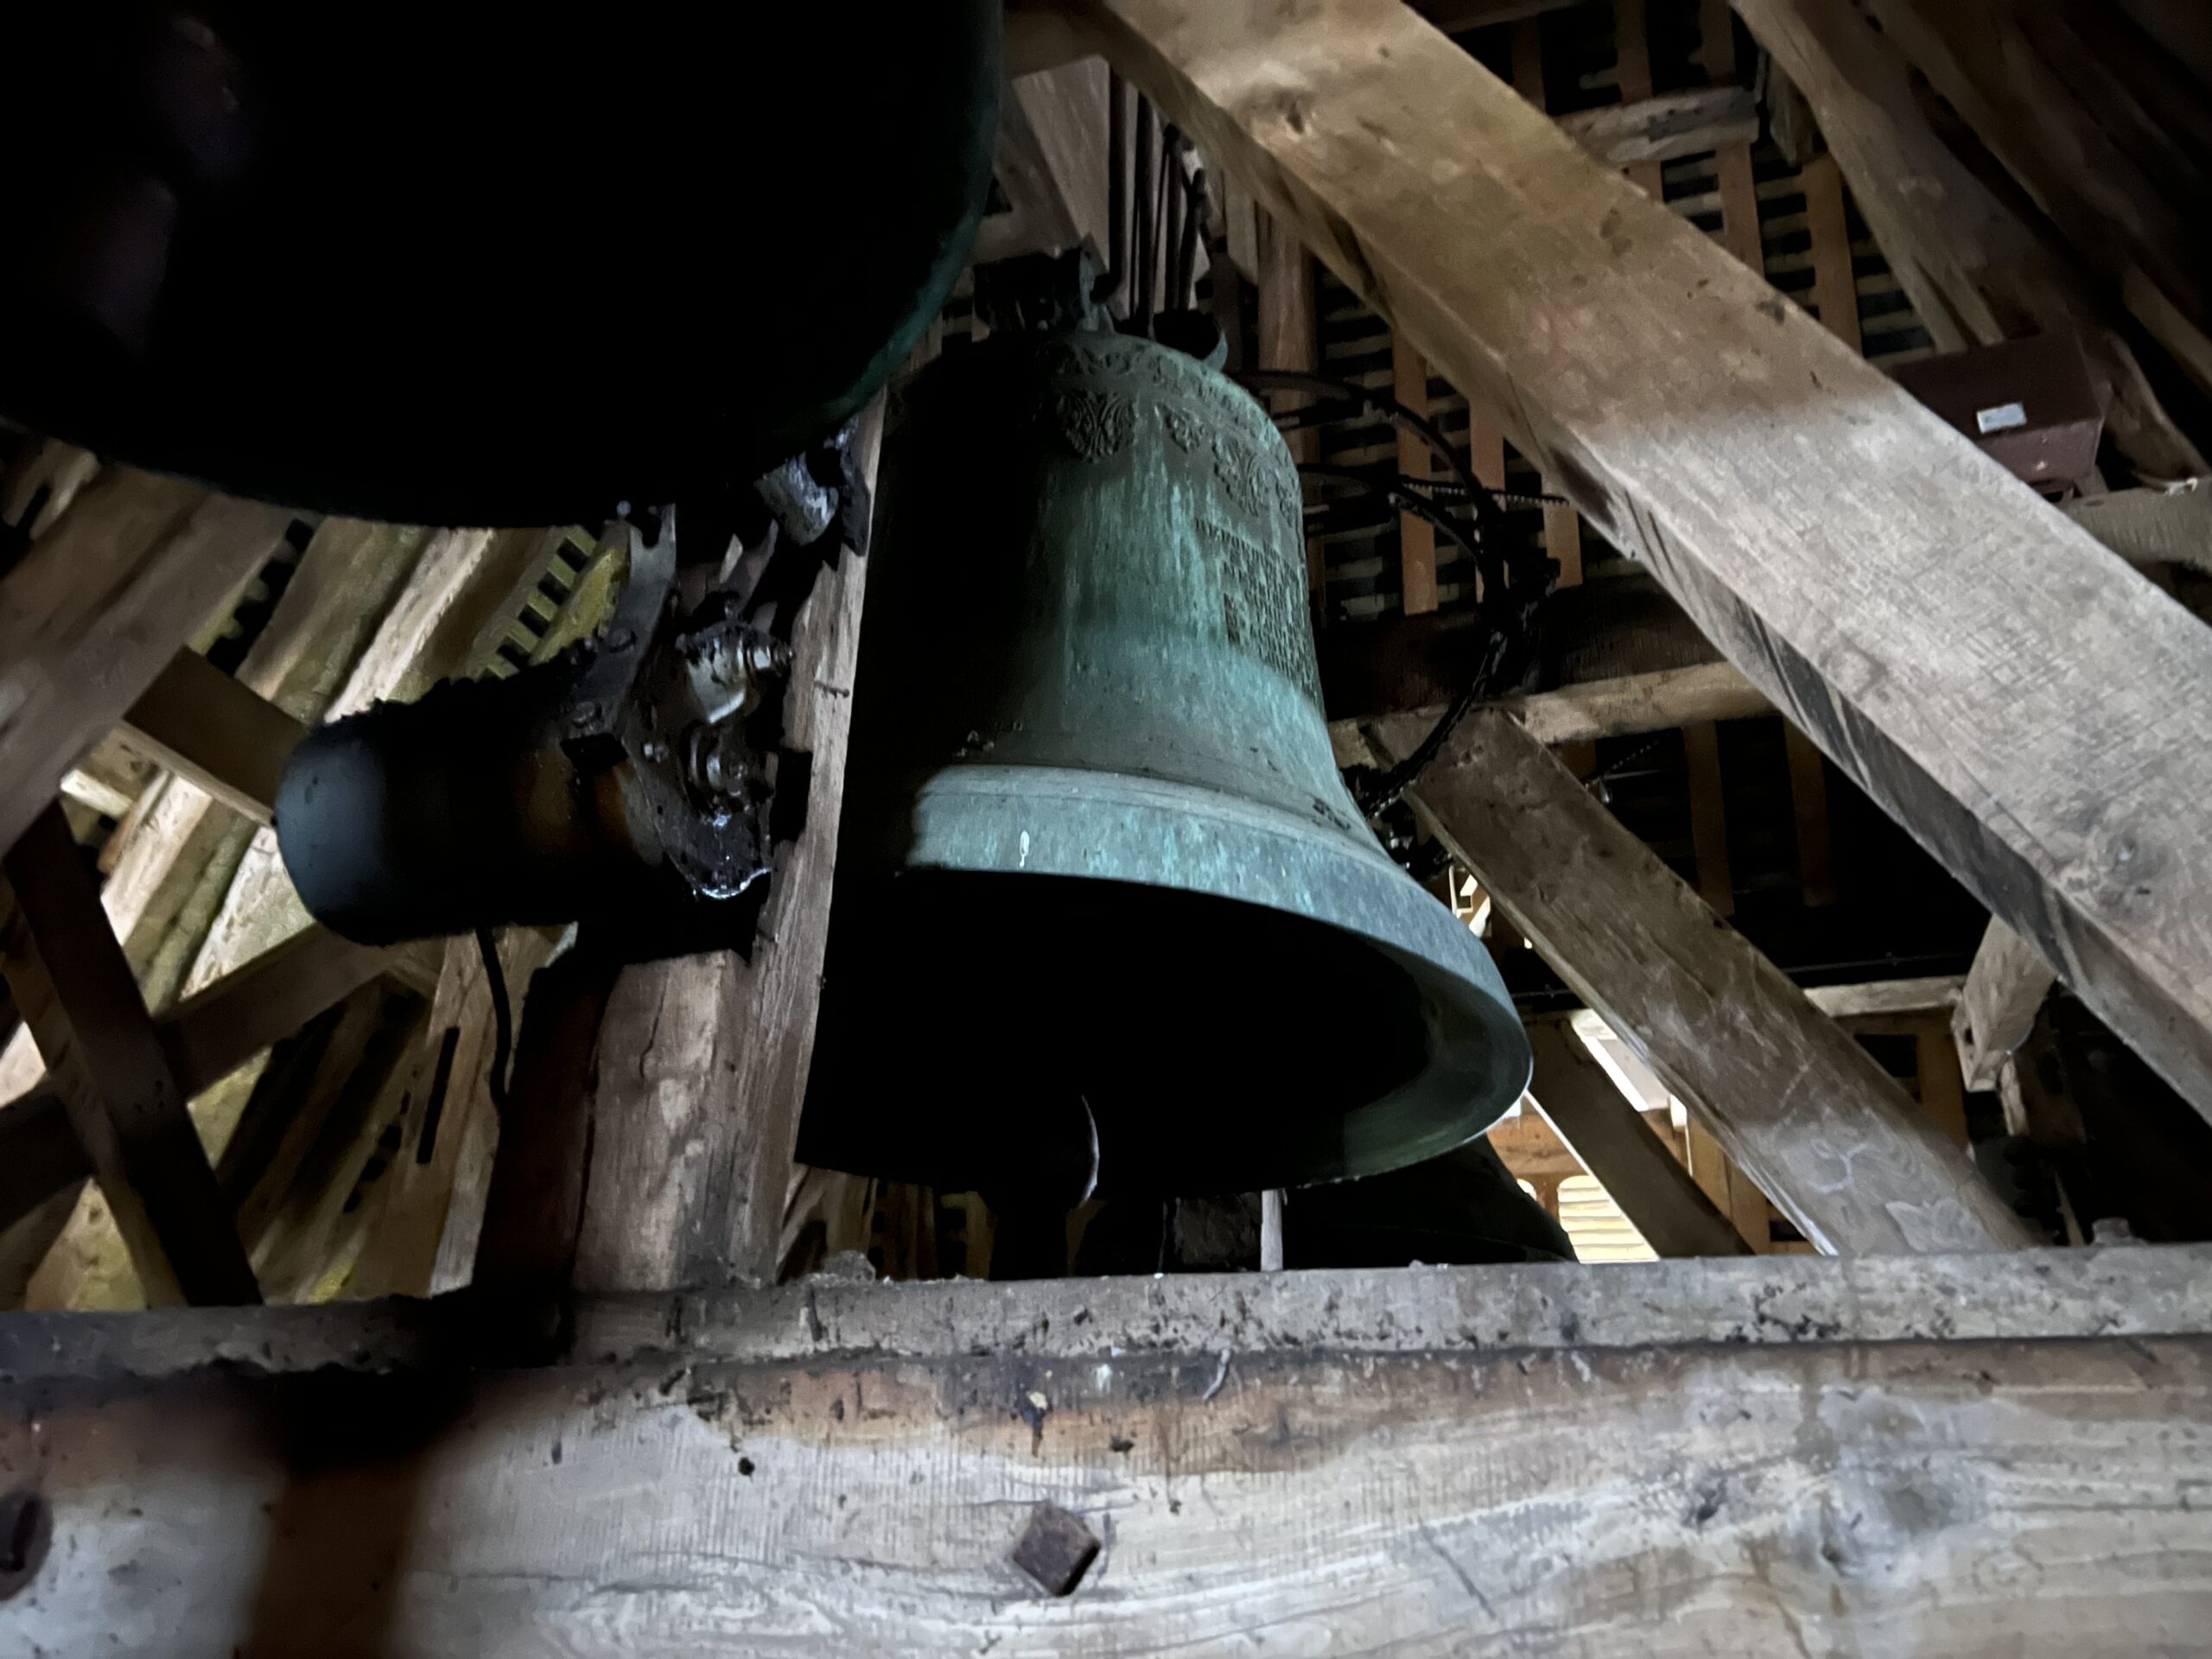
1834	539
667	1161
1791	1098
114	1079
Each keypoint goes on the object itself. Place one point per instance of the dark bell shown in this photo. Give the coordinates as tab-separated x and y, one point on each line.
443	263
1099	882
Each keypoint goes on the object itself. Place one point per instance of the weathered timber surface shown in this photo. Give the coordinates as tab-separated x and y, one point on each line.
1607	1132
1977	270
2117	1291
96	608
1352	1467
668	1162
1806	1111
2030	709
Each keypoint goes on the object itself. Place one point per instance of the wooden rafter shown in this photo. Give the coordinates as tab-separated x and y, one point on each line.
96	609
213	730
1977	270
1790	1096
204	1037
117	1085
1933	627
1653	1188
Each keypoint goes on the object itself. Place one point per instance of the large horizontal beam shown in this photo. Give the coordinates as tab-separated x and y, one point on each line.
2032	710
1741	1451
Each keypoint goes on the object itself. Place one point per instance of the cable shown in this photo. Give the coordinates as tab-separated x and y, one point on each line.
503	1019
1514	584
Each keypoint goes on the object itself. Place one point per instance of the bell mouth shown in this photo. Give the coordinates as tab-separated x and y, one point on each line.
1215	1045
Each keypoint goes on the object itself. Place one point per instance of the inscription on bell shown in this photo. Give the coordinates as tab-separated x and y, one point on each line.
1262	605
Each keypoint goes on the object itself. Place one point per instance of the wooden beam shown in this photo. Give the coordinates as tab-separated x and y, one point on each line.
670	1167
2012	72
2004	988
117	1083
205	1037
1290	338
1052	165
1716	880
1791	1098
2150	527
216	733
96	608
1977	268
1038	39
2024	704
1416	535
1608	1133
1703	1430
1665	128
1886	999
1626	707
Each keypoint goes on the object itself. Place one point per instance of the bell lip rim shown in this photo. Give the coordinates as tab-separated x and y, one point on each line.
1434	948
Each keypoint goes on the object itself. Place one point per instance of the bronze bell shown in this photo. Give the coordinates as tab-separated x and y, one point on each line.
1105	908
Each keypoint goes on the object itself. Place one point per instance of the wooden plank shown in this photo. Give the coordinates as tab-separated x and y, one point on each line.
1627	706
1977	268
1835	287
116	1082
1791	1098
671	1164
1416	535
1052	164
1290	338
1652	129
98	606
1807	1456
1609	1136
1632	79
2004	988
424	1212
2023	704
215	732
1888	998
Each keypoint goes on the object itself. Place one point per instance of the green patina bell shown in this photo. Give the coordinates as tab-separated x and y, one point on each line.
1100	884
